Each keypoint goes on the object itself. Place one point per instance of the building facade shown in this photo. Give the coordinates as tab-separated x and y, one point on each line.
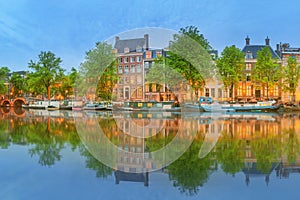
130	67
285	51
249	90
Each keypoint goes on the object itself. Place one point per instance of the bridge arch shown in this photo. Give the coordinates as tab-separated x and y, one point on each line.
5	102
17	102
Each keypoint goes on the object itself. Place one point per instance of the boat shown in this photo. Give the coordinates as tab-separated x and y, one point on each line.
77	108
291	108
52	107
94	106
39	104
268	106
150	106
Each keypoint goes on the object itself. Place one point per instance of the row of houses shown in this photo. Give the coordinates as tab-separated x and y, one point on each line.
135	58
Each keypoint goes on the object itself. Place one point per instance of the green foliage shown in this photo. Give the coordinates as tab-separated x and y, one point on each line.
188	55
231	67
3	74
188	172
98	71
291	76
18	83
46	72
266	71
161	73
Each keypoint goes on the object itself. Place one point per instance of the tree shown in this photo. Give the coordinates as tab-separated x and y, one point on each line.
47	71
3	74
231	67
291	76
68	83
163	75
98	72
266	71
189	56
18	83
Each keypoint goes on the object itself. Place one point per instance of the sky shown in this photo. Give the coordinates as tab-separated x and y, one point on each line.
70	28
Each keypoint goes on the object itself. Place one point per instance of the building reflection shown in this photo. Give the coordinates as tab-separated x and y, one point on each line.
264	143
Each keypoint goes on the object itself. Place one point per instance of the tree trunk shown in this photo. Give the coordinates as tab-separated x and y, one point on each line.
48	92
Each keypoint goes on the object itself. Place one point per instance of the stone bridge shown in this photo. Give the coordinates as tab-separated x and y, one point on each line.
17	102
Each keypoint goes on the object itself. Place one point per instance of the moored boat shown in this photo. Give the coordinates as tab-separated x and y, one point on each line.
52	107
94	106
151	106
268	106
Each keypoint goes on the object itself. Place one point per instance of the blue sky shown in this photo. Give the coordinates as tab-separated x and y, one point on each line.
69	28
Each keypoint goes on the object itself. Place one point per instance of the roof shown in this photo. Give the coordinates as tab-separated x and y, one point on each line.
132	44
255	48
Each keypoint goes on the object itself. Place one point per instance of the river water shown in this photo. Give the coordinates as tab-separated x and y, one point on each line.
124	155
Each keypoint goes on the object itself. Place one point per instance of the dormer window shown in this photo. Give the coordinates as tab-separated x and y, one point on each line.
139	49
249	55
126	50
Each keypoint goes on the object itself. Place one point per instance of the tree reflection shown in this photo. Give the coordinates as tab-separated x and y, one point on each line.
102	171
230	153
189	173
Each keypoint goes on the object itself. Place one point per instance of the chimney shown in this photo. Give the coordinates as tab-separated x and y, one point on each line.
247	40
267	41
146	36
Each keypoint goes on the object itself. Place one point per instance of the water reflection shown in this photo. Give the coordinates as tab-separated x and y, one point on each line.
256	145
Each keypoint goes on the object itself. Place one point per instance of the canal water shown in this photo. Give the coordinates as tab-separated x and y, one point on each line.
123	155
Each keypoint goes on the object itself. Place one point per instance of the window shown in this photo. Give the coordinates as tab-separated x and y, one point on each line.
126	50
248	90
207	92
248	66
126	79
248	77
139	92
139	59
120	69
132	59
126	69
276	91
148	54
249	55
121	92
158	54
121	60
146	65
132	69
240	90
212	92
126	60
219	92
138	69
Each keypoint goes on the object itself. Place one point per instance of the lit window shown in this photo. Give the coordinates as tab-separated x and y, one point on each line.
148	54
207	92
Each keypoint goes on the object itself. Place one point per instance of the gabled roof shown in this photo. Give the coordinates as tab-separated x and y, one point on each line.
132	44
255	48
